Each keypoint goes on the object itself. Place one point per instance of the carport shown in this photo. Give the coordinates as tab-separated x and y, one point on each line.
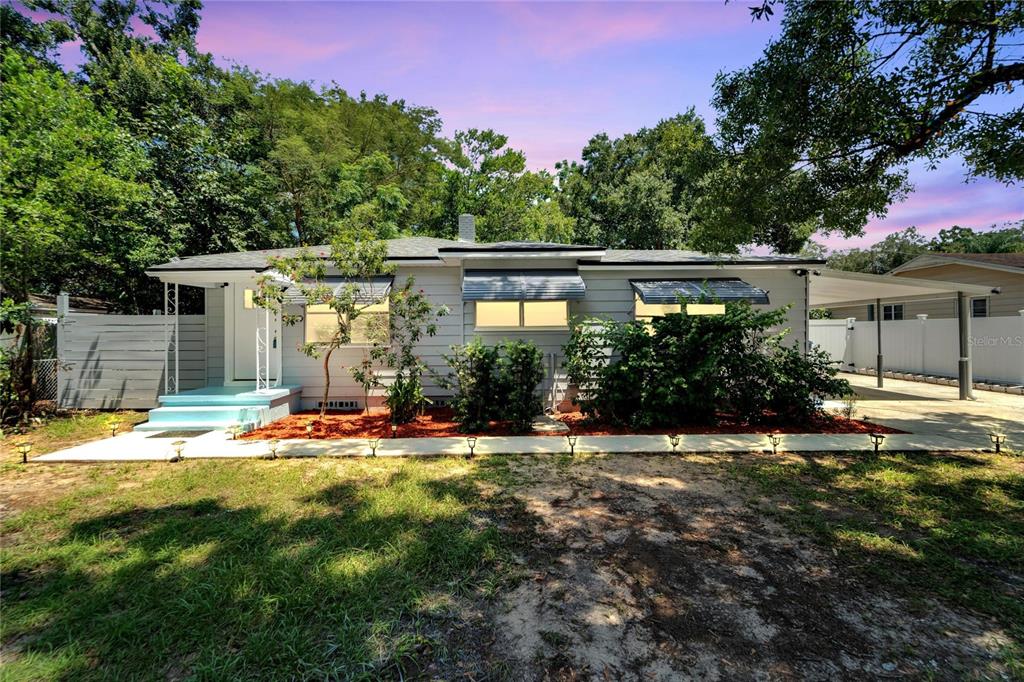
828	288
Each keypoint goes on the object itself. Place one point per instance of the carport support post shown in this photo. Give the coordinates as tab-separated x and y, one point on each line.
878	328
965	377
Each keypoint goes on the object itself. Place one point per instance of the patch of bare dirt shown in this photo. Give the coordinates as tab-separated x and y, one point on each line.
655	568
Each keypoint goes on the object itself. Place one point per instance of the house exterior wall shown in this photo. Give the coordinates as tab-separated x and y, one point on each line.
609	295
214	311
1007	303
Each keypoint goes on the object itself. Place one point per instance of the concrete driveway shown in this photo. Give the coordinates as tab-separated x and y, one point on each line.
930	409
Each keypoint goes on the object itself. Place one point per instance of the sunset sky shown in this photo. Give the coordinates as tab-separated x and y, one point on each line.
549	75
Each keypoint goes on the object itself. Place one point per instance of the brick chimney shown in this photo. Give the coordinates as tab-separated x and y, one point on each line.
467	227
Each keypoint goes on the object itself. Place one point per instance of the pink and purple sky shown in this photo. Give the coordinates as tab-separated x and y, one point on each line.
550	75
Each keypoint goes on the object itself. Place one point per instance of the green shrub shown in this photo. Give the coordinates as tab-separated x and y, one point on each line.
404	397
473	380
520	371
688	369
494	383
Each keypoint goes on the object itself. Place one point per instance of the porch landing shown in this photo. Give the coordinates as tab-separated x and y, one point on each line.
218	407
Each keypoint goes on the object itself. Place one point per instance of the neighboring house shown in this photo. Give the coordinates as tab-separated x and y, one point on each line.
1004	271
526	290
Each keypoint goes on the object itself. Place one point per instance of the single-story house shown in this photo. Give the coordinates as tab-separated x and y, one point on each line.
1002	271
493	291
240	364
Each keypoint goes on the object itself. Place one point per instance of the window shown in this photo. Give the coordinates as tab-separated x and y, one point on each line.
979	307
247	301
892	311
645	312
321	323
511	314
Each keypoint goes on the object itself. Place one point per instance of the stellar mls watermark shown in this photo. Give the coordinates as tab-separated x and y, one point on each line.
991	341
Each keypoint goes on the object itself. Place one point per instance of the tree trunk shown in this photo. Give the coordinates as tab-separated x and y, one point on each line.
327	382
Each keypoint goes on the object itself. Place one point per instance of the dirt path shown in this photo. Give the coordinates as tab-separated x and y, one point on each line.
655	568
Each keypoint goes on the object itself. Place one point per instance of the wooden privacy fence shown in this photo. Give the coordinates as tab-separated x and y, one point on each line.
117	361
926	346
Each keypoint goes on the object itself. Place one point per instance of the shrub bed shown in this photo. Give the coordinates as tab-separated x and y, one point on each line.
494	383
683	369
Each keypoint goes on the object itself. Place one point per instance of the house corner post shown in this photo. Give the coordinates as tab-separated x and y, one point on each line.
879	359
923	335
63	308
1020	339
965	378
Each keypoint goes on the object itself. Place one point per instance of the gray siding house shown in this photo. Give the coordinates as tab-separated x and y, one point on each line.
493	291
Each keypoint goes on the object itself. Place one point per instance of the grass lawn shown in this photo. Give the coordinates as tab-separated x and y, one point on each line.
929	525
66	431
244	569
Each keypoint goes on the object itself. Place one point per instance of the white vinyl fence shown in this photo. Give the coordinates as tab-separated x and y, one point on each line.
926	346
117	361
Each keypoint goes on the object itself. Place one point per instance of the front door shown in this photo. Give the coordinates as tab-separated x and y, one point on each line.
247	319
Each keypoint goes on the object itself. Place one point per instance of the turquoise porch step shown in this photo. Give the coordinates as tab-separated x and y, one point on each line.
200	418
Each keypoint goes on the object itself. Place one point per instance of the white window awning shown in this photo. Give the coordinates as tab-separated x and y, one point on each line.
522	285
718	289
368	290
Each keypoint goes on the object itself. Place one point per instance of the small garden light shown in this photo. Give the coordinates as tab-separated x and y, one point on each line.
178	446
114	425
471	442
394	430
876	440
674	439
774	439
273	445
309	428
234	430
997	439
374	442
23	449
572	444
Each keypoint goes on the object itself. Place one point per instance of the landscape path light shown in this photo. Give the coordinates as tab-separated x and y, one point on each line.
394	430
572	444
997	439
309	428
23	449
273	445
876	440
114	424
774	439
674	439
471	442
374	442
178	446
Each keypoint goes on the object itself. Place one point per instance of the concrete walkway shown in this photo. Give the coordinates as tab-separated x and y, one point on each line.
936	420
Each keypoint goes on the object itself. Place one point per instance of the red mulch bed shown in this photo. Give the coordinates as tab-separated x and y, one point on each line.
439	422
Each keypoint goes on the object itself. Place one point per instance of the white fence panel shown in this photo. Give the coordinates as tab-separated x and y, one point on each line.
928	346
117	361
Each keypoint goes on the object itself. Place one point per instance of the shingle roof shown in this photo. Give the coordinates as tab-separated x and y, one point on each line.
516	246
398	249
679	257
1011	260
407	248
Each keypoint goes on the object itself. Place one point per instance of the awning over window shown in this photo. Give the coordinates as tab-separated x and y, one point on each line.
726	290
522	285
368	290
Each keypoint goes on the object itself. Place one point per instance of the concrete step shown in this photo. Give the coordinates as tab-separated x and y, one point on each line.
184	418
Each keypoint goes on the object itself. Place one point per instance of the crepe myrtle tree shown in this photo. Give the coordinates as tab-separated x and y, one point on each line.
356	254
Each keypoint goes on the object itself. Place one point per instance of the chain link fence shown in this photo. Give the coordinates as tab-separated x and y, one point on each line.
45	377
